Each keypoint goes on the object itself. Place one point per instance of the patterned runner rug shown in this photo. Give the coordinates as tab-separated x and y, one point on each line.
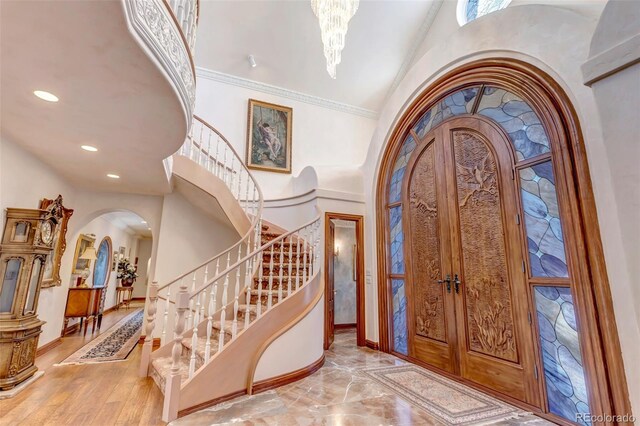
451	402
113	345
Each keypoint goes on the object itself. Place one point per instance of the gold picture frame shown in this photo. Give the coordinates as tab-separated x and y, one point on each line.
51	274
84	241
267	126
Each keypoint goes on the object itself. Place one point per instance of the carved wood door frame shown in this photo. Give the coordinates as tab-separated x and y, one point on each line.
590	289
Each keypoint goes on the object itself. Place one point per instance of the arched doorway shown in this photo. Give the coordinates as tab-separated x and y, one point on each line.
486	270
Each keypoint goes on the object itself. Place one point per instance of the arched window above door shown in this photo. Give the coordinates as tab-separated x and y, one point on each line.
468	10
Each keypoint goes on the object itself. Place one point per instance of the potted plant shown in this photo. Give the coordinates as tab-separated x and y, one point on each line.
126	272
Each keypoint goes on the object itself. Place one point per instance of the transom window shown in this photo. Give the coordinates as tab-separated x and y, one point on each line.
468	10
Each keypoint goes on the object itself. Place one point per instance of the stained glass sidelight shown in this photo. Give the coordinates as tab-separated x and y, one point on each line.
542	220
399	316
517	118
562	359
395	189
397	240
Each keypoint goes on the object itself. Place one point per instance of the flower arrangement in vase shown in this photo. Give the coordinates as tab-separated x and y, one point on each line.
127	273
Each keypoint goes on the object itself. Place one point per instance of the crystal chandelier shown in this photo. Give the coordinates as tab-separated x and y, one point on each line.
334	16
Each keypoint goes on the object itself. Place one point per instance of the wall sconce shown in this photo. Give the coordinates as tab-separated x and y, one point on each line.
336	250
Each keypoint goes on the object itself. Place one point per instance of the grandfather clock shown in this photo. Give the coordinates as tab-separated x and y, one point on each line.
25	245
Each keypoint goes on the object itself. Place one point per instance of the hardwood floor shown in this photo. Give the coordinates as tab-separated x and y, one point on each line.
95	394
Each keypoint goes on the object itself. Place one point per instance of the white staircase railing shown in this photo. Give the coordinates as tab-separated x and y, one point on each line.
187	13
207	147
207	308
300	244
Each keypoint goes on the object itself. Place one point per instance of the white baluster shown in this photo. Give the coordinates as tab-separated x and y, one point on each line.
224	165
304	255
223	313
230	183
217	158
165	317
316	250
260	266
246	196
145	357
208	166
172	384
290	264
298	272
212	309
194	338
281	270
234	324
270	292
248	271
201	145
193	290
239	184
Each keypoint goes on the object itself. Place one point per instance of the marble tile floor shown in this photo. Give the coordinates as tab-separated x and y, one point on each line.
338	394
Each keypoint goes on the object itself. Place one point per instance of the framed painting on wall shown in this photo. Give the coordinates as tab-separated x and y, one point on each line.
102	265
84	241
269	130
51	275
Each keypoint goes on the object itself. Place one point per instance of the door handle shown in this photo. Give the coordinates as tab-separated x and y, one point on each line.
456	281
448	281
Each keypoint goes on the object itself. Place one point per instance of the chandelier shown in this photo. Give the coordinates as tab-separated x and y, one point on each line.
334	16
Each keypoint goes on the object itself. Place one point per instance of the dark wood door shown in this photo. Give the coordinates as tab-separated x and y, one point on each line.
431	307
330	285
463	225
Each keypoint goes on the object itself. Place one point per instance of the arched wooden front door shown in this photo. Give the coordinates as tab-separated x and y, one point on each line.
466	290
490	265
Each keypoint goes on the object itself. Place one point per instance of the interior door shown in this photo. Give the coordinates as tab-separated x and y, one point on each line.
431	328
330	285
467	310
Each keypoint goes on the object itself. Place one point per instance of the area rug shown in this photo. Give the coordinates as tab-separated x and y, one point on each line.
451	402
113	345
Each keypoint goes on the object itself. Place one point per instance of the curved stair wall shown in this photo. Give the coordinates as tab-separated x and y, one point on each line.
216	320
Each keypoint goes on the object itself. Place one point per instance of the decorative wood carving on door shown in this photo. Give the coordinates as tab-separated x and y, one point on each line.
428	298
488	297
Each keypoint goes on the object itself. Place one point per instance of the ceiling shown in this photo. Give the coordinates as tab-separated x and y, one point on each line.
112	96
129	222
284	37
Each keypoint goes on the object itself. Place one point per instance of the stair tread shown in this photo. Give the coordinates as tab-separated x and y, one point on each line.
228	325
162	365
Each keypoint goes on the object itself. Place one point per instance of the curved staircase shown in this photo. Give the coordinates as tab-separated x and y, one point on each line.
217	319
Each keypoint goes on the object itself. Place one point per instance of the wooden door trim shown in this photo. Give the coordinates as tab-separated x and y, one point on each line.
360	290
599	339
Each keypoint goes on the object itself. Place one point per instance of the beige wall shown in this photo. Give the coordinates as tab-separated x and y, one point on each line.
188	236
144	248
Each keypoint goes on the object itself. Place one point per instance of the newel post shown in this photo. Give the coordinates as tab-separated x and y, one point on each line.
147	347
172	388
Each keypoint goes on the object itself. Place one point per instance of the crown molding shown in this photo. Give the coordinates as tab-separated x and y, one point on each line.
417	41
285	93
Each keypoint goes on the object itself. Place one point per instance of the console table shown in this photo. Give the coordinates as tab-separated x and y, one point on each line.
83	303
123	296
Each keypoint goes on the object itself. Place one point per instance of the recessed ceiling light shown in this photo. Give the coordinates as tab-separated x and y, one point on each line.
89	148
112	176
144	221
46	96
